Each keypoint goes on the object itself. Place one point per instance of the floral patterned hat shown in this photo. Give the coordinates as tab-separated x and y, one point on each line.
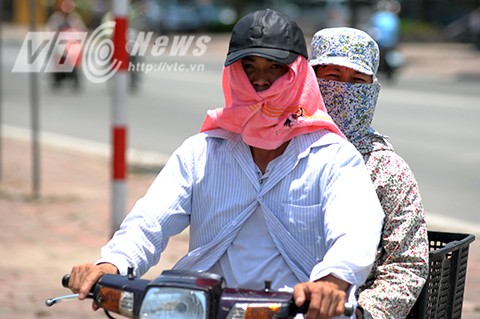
347	47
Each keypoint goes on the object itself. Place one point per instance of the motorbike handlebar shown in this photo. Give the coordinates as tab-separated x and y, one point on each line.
65	280
349	308
294	309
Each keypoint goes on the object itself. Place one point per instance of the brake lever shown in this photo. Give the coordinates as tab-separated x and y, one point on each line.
52	301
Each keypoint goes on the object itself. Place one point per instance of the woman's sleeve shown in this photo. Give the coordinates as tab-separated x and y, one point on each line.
401	266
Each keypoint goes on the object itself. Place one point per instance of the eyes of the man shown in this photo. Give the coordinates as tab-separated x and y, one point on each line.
251	64
247	64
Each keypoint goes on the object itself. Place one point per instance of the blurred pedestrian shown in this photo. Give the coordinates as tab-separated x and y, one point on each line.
65	17
384	27
69	55
345	61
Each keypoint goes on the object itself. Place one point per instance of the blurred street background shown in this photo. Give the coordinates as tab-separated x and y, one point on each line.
430	109
427	20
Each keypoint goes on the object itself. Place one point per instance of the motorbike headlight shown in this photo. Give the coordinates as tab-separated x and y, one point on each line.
174	303
182	294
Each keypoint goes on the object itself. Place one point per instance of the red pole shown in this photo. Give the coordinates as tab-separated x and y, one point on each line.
119	114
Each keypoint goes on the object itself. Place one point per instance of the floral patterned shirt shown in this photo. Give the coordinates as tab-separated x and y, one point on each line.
401	265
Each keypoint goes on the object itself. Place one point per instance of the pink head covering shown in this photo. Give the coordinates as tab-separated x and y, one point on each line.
291	106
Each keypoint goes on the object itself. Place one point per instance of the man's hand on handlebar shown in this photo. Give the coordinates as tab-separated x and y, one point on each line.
327	297
84	277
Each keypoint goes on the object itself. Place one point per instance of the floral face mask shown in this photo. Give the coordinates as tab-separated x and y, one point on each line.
351	106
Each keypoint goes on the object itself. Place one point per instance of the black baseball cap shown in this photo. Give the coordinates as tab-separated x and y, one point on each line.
268	34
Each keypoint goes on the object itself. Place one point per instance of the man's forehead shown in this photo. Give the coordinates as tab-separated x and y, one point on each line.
253	58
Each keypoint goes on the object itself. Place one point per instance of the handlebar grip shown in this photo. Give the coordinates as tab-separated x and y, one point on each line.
348	312
65	280
349	309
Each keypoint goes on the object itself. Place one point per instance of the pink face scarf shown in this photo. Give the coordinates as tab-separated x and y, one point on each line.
291	106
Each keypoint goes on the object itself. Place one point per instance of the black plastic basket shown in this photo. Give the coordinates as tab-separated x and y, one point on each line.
442	295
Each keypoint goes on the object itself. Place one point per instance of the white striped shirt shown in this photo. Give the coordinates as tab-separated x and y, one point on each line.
318	204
